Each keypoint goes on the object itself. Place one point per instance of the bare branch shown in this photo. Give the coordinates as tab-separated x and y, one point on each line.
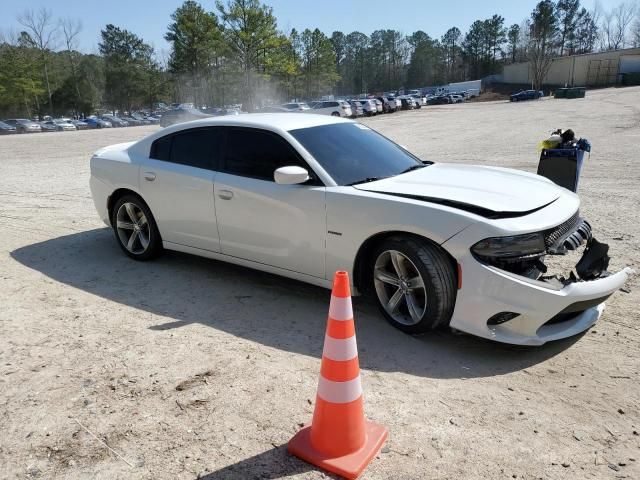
71	28
41	27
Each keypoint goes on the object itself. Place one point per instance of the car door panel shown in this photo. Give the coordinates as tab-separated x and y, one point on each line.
182	202
278	225
259	220
177	183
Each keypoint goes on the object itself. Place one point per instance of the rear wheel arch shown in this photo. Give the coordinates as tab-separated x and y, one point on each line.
117	195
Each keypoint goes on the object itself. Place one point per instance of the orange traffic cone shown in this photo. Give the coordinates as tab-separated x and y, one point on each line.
339	438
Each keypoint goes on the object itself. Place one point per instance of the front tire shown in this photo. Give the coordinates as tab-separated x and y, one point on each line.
135	228
414	283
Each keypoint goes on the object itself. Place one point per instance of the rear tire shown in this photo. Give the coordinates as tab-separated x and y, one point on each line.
335	114
135	228
414	283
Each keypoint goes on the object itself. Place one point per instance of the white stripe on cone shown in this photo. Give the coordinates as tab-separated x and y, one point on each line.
339	392
340	349
340	308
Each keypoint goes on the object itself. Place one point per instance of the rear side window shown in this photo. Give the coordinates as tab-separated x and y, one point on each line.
161	148
258	154
196	148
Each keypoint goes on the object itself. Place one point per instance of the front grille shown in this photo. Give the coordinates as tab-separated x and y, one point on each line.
553	236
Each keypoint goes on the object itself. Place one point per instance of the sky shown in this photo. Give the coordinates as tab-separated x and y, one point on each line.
150	18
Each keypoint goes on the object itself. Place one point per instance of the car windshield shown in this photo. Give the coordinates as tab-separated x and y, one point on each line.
353	153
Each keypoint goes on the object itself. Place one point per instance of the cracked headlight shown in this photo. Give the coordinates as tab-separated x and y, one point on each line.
513	247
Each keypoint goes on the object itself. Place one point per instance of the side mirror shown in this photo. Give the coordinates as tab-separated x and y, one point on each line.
290	175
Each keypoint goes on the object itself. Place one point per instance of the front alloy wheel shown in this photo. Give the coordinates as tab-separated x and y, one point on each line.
400	287
414	282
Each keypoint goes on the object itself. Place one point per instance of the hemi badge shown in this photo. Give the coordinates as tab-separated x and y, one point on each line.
334	233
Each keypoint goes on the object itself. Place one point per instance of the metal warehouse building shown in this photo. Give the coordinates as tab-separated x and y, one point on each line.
590	69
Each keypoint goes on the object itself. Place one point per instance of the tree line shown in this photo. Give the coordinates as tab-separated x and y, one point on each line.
235	53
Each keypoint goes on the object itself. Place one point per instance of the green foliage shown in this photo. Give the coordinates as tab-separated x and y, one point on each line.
250	30
197	48
20	80
483	46
128	63
236	54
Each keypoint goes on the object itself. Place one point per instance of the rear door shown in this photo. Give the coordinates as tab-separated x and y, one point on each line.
259	220
177	184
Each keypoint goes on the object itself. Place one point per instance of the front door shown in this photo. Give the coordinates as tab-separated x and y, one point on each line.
259	220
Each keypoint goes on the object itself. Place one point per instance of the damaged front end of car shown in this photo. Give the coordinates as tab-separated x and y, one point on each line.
532	255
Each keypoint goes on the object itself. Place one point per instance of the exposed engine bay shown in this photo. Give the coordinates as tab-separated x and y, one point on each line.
570	254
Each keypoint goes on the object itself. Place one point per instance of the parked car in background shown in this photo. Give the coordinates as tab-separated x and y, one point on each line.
439	100
525	95
48	126
455	98
421	100
95	122
296	106
115	121
369	107
142	118
133	122
80	124
388	104
356	108
152	119
6	129
180	115
336	108
407	103
273	109
379	107
397	101
24	126
63	125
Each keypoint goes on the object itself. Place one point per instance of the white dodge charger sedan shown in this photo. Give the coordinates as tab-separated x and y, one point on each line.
305	195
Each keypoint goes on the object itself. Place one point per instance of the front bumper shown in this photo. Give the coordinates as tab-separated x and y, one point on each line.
515	308
487	291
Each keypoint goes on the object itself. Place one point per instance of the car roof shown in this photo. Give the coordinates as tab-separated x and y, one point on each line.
271	121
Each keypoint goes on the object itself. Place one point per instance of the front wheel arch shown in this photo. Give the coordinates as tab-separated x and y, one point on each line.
362	263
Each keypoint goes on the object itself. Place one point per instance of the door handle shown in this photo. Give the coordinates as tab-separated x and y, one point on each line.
150	176
225	194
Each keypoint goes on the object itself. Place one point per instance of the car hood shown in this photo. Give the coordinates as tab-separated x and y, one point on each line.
488	191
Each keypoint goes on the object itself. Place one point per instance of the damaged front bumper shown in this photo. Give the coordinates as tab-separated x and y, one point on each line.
524	303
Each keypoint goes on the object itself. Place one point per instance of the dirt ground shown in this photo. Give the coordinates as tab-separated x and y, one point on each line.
184	367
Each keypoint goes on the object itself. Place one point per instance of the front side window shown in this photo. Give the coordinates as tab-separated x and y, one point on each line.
353	153
258	153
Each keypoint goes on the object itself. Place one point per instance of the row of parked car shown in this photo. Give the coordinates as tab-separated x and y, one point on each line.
358	107
63	124
351	108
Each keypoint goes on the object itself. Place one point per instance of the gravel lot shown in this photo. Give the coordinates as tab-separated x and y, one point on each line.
187	367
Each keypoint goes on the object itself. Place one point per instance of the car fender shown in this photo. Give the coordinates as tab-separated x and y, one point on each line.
354	216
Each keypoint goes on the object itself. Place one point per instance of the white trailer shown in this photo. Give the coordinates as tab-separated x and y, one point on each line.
473	86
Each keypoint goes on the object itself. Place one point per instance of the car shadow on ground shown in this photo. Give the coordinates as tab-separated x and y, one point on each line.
271	464
263	308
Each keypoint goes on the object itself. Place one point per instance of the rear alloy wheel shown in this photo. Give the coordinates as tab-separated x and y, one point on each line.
414	283
135	228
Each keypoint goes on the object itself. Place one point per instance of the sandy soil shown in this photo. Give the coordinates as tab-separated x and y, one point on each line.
184	367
